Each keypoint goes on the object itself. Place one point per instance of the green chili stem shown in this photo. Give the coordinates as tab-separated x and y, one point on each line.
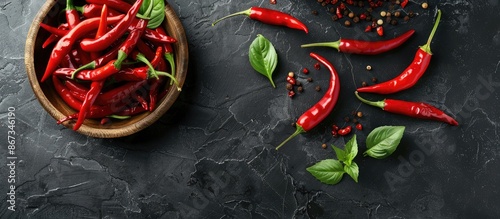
379	104
169	56
119	117
70	5
161	73
335	44
142	58
90	65
298	131
427	46
245	12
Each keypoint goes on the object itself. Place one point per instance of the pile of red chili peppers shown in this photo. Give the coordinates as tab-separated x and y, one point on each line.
106	63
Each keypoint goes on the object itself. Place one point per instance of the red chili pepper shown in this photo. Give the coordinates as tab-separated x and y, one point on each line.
65	44
53	37
169	52
345	131
131	41
154	36
94	10
403	3
73	86
72	16
317	113
269	16
53	30
365	47
145	49
97	74
380	31
411	74
90	97
119	94
131	111
155	84
65	94
118	5
413	109
94	45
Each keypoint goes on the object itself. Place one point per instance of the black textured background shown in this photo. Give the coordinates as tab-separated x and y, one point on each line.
212	155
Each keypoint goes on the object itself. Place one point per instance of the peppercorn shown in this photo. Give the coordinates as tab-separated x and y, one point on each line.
317	88
388	20
346	13
361	4
388	14
351	14
320	1
347	23
355	19
368	67
359	114
354	121
397	14
380	22
324	146
398	2
300	89
314	12
334	17
289	86
374	80
297	83
364	84
359	126
425	5
291	74
305	71
309	79
368	18
411	14
291	93
394	21
383	13
317	66
362	16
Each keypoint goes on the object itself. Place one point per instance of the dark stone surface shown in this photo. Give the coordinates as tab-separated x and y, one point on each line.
212	155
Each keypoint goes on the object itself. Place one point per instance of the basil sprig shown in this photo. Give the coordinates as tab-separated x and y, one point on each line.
263	57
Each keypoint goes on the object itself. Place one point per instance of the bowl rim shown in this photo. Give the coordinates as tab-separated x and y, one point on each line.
180	47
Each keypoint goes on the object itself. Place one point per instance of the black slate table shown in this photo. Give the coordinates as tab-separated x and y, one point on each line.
212	155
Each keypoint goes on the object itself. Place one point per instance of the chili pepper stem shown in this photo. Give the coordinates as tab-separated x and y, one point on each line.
119	117
245	12
119	60
427	46
70	5
90	65
335	44
143	59
298	131
379	104
162	73
169	56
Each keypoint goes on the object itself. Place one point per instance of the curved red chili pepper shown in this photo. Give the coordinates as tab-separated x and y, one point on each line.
413	109
269	16
54	37
90	97
65	44
365	47
53	30
131	111
97	74
169	52
411	74
317	113
94	10
94	45
154	36
131	41
72	16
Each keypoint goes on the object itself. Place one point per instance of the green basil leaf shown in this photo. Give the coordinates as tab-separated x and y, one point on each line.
352	170
327	171
263	57
341	155
383	141
157	14
351	149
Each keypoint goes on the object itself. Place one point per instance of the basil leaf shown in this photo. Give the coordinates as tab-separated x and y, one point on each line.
383	141
351	149
263	57
341	155
352	170
157	14
327	171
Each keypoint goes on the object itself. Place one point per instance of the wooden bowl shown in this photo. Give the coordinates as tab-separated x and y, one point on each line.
36	59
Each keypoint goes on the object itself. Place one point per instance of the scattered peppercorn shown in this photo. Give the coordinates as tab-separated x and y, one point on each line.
324	146
354	120
369	67
359	114
407	18
309	79
314	12
317	66
364	84
305	71
291	93
300	89
425	5
374	80
359	126
317	88
388	14
397	14
347	23
291	80
411	14
297	83
394	22
289	86
355	19
351	14
335	127
334	17
383	13
380	22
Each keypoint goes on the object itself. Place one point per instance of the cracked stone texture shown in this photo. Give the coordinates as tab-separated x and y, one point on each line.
212	155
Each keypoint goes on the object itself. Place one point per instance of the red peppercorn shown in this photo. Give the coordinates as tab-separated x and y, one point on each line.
291	93
380	31
359	126
291	80
305	71
368	28
317	66
335	128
